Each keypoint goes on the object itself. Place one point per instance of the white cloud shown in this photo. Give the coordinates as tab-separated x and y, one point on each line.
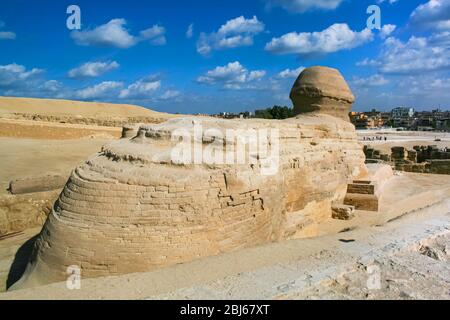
437	83
203	44
441	39
155	34
104	89
7	35
114	34
92	69
52	86
238	32
170	94
232	76
425	92
16	80
366	62
190	31
141	89
241	25
417	55
16	76
235	41
300	6
288	73
435	14
233	70
335	38
425	86
256	75
390	1
375	80
387	30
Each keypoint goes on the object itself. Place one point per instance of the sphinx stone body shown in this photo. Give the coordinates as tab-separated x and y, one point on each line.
131	208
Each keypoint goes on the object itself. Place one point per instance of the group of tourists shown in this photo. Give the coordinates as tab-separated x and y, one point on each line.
375	138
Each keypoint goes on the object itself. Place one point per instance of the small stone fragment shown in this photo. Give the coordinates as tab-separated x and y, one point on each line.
343	212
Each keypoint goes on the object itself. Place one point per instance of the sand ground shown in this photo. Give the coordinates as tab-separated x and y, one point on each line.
408	139
31	157
53	107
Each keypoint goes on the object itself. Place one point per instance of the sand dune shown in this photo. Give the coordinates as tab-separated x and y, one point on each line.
11	105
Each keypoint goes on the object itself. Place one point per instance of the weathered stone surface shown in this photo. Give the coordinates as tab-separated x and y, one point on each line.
385	157
367	202
361	187
366	194
132	208
343	212
421	159
323	90
129	131
37	184
398	154
440	166
21	212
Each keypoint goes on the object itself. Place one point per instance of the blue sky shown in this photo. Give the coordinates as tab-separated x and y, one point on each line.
208	56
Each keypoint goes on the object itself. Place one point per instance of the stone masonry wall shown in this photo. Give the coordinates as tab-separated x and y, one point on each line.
421	159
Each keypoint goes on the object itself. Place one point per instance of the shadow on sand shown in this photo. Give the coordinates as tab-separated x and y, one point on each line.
20	262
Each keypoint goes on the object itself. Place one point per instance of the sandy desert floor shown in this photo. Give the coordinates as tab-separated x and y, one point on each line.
55	107
407	139
30	157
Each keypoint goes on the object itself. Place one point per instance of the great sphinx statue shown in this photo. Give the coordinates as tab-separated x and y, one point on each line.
135	207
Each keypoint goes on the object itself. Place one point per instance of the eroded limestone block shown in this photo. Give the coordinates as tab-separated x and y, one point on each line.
21	212
366	194
361	187
37	184
129	131
343	212
440	166
398	153
367	202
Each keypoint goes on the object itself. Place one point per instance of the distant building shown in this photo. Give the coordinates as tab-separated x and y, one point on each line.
443	124
367	120
402	117
402	112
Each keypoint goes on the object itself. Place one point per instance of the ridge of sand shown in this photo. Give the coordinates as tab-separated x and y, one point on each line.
56	107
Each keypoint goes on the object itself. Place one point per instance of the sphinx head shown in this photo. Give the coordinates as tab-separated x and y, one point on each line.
322	90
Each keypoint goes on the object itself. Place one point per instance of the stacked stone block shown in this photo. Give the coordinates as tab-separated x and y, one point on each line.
421	159
362	194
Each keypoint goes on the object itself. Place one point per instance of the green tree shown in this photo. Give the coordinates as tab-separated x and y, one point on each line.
276	112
